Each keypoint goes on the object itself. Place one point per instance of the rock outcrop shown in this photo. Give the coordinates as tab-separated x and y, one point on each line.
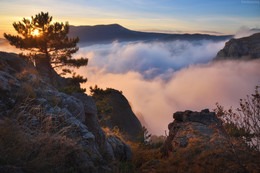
246	48
119	113
40	111
198	138
122	114
190	125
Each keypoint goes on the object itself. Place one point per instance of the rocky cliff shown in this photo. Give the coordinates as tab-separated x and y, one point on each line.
51	130
243	48
197	142
115	111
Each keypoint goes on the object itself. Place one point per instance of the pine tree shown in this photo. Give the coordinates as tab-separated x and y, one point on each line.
47	42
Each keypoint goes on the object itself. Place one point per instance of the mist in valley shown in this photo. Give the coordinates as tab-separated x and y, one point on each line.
160	78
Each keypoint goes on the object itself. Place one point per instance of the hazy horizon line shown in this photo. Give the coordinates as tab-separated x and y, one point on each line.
163	31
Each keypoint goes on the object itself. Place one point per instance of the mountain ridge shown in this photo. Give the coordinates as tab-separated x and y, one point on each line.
115	32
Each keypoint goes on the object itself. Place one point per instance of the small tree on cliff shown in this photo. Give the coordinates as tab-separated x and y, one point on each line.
47	42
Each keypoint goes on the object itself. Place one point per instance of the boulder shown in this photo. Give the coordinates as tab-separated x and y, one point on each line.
189	125
199	141
121	150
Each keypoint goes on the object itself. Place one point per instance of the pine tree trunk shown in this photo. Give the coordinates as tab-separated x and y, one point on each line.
44	68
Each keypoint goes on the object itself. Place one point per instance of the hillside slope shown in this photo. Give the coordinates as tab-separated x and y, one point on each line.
108	33
51	130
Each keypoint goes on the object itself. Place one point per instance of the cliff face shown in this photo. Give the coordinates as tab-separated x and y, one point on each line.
40	113
115	111
244	48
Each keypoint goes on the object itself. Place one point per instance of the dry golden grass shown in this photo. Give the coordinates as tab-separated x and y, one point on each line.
200	156
41	149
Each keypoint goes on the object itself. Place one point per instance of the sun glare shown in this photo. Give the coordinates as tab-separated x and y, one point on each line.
35	32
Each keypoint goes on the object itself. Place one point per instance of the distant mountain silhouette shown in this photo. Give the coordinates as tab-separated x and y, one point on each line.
114	32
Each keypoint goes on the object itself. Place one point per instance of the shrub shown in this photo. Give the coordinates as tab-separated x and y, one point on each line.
72	89
97	92
244	123
125	167
77	79
143	137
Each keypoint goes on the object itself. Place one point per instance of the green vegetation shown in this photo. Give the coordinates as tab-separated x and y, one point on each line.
72	89
143	136
103	107
97	92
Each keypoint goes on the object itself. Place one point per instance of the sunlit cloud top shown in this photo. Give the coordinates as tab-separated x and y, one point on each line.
223	16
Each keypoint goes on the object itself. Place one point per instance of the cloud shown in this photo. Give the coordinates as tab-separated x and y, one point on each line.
151	59
159	78
245	32
192	88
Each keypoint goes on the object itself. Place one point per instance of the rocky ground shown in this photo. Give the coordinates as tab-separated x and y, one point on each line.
58	132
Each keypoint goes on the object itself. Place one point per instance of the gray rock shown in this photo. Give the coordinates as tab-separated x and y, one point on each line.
121	150
246	48
121	114
67	117
110	151
90	109
89	103
7	81
203	126
12	63
74	105
203	117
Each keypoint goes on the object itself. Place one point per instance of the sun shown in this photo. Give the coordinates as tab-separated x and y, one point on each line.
35	32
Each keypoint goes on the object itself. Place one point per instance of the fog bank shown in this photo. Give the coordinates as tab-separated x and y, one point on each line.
161	78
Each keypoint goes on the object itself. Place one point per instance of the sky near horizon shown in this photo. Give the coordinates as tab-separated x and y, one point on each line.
218	16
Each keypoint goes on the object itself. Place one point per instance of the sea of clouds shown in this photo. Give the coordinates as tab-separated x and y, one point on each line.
160	78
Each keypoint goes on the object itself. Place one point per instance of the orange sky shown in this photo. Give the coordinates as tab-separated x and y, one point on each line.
161	16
